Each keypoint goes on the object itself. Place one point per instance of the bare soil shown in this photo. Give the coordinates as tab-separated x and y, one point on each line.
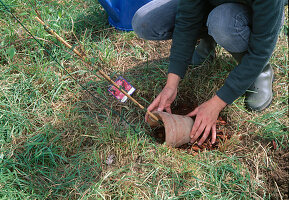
278	178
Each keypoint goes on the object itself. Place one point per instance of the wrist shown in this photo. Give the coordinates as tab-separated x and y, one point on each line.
173	80
219	103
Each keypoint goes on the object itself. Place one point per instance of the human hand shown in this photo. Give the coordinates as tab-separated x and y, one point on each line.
206	117
164	100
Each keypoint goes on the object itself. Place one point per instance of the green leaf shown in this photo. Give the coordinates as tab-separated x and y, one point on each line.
23	14
11	52
99	91
59	14
93	60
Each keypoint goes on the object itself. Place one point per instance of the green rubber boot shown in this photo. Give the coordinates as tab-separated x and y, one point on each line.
259	95
205	51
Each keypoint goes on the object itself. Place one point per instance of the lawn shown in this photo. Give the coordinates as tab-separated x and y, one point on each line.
63	136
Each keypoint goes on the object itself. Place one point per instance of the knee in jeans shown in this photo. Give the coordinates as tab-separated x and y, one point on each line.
141	26
230	27
220	31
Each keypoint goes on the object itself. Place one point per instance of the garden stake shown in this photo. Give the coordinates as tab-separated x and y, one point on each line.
84	59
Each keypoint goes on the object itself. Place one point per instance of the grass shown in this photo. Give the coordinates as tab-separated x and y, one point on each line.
57	142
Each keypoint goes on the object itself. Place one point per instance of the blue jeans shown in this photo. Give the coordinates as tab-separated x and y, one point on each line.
229	23
155	20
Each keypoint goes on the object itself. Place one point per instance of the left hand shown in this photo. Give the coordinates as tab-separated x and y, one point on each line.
206	117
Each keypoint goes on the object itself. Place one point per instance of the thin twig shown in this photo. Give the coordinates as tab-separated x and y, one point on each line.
81	47
278	190
35	9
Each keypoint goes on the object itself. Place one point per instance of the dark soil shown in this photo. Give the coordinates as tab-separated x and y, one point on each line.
279	175
184	107
3	60
159	134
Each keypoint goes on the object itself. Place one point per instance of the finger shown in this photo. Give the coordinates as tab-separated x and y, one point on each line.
147	117
193	113
152	107
168	109
196	125
205	135
198	133
154	104
162	104
214	134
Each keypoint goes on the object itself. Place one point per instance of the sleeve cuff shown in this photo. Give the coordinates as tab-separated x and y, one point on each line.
227	94
177	68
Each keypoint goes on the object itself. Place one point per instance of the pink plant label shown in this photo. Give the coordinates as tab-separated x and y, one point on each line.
123	84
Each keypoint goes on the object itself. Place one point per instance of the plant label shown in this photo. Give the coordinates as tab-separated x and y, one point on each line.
123	84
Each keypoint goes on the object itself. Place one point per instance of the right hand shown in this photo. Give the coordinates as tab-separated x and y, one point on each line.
166	97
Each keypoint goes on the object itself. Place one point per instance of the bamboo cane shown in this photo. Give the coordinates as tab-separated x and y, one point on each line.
84	59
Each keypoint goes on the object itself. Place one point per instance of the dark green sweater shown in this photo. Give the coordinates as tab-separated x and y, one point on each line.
191	17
